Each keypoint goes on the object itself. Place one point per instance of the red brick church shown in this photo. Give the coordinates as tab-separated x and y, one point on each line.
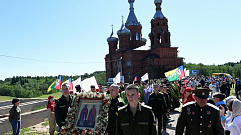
129	55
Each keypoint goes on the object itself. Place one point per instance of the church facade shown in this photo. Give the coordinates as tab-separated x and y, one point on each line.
129	55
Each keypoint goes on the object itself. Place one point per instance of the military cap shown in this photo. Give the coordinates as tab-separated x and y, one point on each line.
132	86
202	93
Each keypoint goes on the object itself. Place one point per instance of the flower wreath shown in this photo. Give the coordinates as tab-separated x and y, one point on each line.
101	117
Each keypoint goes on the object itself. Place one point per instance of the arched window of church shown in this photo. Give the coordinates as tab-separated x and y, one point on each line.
137	36
166	38
158	38
131	36
157	23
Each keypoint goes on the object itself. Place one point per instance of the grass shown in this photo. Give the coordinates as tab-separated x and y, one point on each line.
22	132
4	98
56	95
42	107
232	91
46	123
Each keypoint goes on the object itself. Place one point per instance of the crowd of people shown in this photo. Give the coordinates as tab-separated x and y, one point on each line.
143	108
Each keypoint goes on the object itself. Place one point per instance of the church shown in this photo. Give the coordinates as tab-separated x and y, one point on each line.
129	55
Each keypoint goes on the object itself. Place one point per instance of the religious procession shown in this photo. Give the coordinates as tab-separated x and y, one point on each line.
141	95
145	107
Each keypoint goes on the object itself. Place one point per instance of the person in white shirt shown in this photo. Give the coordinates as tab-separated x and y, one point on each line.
212	87
233	123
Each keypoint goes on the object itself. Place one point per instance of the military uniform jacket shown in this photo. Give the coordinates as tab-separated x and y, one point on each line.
141	124
199	121
158	104
167	100
61	109
112	114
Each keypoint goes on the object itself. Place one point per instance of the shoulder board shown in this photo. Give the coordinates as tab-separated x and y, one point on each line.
120	100
213	106
121	108
161	93
146	106
189	103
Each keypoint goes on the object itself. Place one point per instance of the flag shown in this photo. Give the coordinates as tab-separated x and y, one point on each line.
181	72
135	78
145	77
88	82
117	78
172	75
186	72
56	84
65	82
70	84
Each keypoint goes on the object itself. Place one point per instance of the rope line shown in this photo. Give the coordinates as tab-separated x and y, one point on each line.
14	57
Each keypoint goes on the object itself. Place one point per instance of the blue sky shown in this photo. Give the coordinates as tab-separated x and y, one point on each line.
206	31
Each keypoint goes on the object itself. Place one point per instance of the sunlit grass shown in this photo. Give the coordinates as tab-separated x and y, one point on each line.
4	98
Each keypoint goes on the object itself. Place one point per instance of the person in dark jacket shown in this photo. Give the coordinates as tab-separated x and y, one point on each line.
223	88
159	107
116	102
135	118
15	116
199	117
62	105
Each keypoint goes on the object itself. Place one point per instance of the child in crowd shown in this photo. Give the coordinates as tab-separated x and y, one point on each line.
52	122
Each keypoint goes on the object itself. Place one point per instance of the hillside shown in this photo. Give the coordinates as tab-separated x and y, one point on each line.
28	87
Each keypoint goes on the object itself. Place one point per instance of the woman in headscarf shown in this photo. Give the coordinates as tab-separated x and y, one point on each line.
229	113
233	123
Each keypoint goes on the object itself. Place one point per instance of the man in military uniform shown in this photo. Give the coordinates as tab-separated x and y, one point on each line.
158	104
168	103
135	118
200	117
116	102
62	105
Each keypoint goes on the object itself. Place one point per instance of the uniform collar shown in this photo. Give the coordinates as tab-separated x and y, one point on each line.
138	107
199	106
112	99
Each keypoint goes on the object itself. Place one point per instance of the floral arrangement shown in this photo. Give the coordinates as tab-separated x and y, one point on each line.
101	117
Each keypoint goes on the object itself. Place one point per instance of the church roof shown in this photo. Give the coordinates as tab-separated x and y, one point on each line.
132	20
158	14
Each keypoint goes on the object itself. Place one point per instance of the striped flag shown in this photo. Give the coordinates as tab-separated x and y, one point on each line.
56	84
